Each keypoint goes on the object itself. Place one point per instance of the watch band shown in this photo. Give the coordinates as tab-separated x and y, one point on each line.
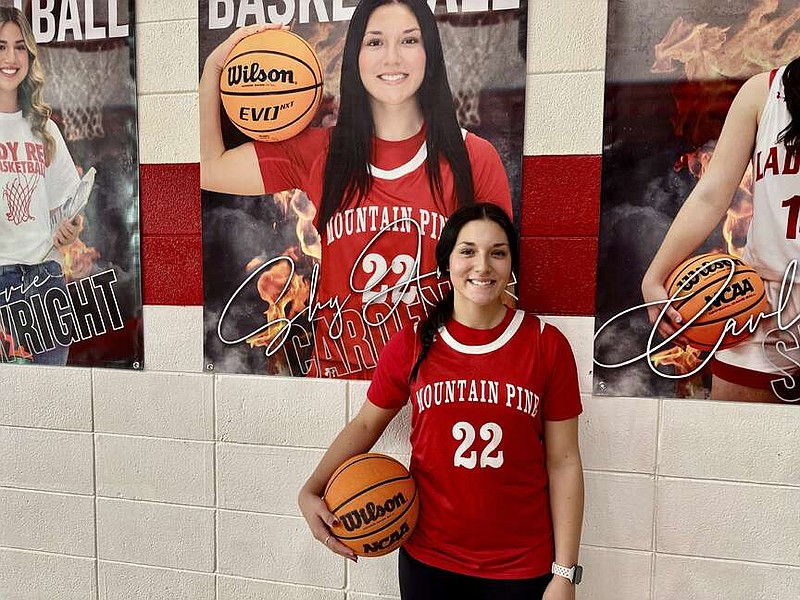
573	573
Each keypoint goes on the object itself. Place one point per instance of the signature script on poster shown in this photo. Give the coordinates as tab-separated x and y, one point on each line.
787	387
408	289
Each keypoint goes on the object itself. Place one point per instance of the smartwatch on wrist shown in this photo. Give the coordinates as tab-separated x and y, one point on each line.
574	573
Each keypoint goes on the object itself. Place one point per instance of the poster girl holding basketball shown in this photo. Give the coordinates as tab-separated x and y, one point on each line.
762	126
383	180
36	176
494	433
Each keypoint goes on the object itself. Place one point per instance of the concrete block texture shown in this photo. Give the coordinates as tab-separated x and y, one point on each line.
117	581
26	575
176	39
564	113
579	331
376	575
49	397
279	411
173	337
176	405
155	10
611	427
161	535
279	549
395	438
39	459
759	523
237	588
169	132
685	578
619	510
263	479
730	440
566	35
137	468
59	523
611	574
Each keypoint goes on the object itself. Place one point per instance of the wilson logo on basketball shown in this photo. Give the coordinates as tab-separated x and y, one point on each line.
688	281
360	517
390	540
253	73
730	293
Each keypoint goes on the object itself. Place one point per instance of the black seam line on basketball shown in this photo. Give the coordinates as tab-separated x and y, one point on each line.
278	53
277	93
738	270
367	456
384	526
370	488
691	293
720	319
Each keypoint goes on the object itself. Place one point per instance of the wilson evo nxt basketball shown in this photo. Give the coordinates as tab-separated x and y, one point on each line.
271	85
697	280
375	499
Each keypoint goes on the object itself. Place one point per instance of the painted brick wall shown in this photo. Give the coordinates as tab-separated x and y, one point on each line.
172	484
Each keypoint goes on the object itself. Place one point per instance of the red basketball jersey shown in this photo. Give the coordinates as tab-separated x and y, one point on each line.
378	255
479	404
773	239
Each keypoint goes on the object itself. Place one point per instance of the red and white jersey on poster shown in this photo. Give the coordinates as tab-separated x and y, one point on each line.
479	404
773	239
377	271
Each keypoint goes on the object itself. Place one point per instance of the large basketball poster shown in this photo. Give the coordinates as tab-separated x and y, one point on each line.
672	72
261	254
80	62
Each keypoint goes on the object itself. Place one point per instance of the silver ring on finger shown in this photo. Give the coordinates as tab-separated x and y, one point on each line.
327	539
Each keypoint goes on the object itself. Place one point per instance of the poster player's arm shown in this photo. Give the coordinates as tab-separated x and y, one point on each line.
233	171
357	437
62	180
712	196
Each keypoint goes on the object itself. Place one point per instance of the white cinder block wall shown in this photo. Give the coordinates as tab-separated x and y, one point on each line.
174	484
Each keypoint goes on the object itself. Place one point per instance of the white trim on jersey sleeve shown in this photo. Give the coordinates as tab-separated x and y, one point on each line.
412	165
501	340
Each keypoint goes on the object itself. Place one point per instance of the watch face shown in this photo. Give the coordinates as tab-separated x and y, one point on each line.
576	579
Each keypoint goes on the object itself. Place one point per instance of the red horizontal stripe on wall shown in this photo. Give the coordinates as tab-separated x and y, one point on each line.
557	275
559	226
561	196
172	254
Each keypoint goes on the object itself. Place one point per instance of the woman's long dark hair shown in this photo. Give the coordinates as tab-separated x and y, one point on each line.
791	88
443	310
346	172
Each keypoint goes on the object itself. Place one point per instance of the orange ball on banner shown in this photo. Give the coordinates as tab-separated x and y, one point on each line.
697	280
271	85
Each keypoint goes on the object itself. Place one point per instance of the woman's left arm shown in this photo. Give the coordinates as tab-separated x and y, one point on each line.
565	475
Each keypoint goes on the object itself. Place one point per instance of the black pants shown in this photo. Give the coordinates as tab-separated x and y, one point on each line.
419	581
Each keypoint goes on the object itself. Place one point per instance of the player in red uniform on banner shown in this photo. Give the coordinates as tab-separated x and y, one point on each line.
37	176
494	433
762	126
383	180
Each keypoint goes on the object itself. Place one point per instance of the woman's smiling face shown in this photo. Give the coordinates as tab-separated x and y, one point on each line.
392	57
13	59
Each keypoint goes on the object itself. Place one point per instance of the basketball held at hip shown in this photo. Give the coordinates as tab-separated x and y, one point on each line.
375	500
271	85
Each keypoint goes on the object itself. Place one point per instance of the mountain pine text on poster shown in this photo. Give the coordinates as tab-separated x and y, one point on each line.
72	20
225	13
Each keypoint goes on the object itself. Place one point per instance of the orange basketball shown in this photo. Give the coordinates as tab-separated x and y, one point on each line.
271	85
375	499
694	284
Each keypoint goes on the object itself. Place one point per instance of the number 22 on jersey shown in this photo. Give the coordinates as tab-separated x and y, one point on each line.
467	457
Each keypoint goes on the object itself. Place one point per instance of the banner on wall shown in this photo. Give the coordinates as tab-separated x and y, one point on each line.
262	254
672	71
80	304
